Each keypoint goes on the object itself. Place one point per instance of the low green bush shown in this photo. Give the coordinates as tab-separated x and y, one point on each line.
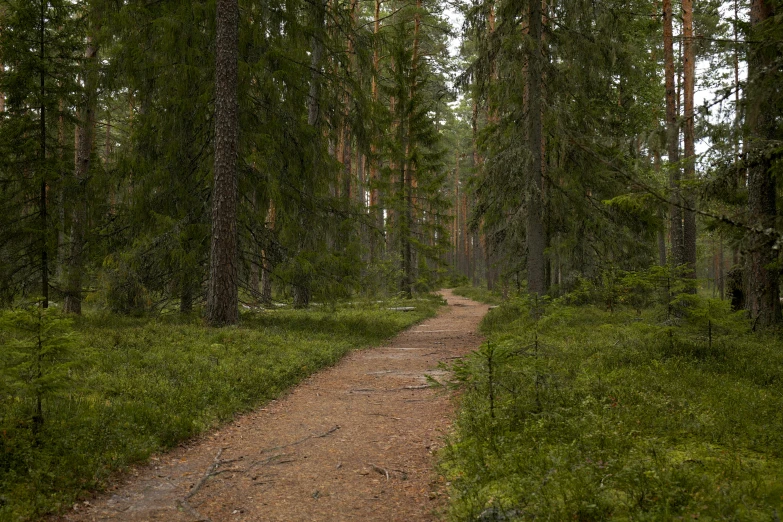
480	294
130	386
629	414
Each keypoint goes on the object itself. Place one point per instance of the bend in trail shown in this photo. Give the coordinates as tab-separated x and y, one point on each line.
353	442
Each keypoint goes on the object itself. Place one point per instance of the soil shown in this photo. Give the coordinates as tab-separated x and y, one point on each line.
352	442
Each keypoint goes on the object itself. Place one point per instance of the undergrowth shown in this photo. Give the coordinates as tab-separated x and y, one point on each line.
629	414
128	387
480	294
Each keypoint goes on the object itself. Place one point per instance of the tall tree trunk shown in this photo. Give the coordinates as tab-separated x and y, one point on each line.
672	139
60	250
86	138
455	222
42	211
763	278
536	236
689	73
407	169
222	291
300	285
375	211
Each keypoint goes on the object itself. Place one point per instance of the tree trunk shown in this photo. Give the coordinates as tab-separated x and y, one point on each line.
375	211
186	299
300	285
60	250
255	263
672	140
662	230
536	239
222	292
689	75
42	211
763	279
85	140
266	273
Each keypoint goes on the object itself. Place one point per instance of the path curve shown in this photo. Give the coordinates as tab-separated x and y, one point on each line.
352	442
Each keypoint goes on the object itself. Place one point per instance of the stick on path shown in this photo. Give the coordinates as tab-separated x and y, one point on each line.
353	442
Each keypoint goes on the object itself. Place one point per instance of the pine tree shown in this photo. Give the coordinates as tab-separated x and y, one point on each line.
222	291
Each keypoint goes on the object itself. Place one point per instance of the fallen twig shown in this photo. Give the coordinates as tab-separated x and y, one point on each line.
379	469
195	514
322	435
210	471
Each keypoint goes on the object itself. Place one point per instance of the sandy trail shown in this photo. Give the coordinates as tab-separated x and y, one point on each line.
353	442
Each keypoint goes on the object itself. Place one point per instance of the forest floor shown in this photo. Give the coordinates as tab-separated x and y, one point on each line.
353	442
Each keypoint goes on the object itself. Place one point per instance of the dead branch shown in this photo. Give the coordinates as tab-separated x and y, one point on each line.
322	435
210	472
195	514
379	469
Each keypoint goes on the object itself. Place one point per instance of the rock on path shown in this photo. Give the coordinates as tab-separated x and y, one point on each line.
353	442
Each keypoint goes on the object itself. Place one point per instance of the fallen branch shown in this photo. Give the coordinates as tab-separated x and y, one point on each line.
210	472
322	435
195	514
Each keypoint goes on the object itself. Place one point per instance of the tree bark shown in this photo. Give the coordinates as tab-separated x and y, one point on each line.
222	291
266	262
42	210
85	140
689	76
536	238
672	140
763	279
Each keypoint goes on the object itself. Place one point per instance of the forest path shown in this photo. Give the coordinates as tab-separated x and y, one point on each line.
352	442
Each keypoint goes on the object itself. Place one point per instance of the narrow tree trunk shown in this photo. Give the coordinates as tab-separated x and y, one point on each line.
255	263
300	285
60	250
689	73
455	222
42	211
672	139
222	292
536	237
86	138
763	278
721	270
266	273
375	211
2	94
186	299
662	230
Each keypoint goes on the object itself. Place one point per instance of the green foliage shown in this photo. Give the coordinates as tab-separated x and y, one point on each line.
141	385
35	361
479	294
596	415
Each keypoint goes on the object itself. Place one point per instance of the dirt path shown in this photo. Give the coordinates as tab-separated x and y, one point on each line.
353	442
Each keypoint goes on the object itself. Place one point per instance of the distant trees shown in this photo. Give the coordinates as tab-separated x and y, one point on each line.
329	154
146	172
598	203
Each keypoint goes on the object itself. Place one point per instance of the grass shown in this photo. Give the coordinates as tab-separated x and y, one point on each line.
137	386
591	415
